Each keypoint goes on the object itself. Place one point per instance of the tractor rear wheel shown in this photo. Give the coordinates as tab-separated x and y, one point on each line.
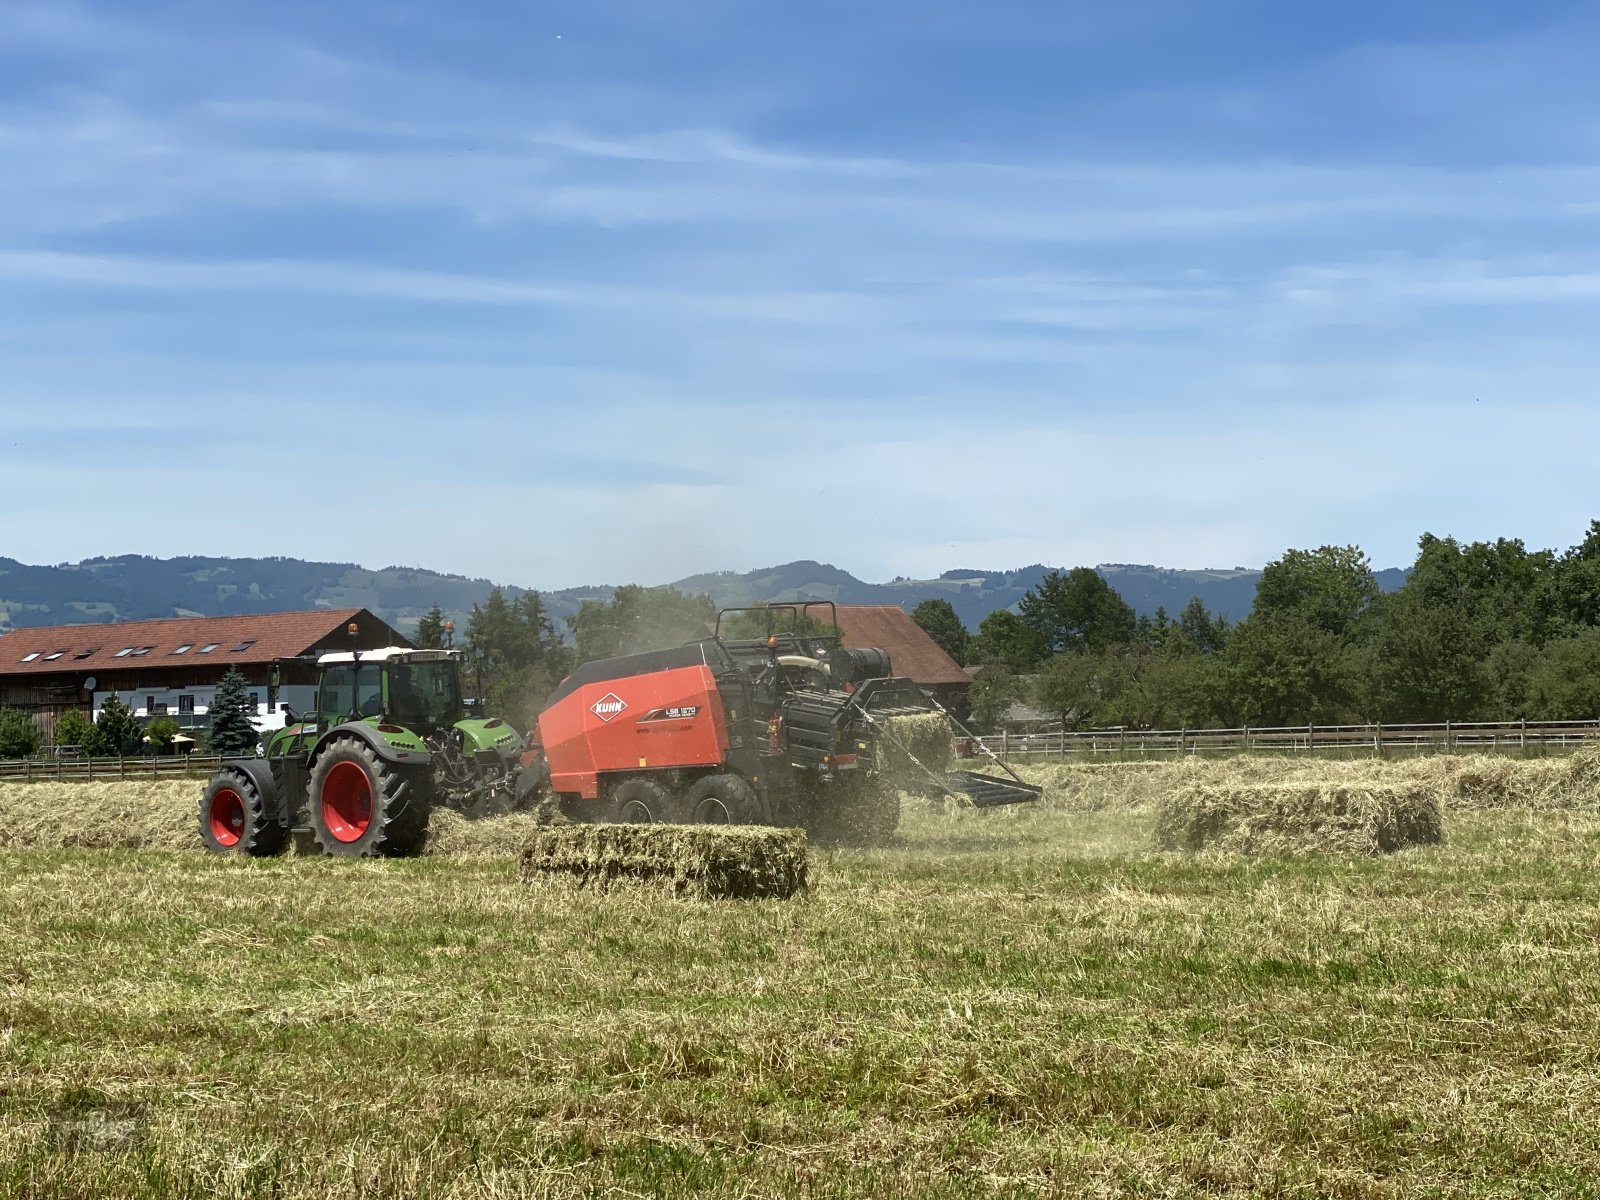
640	802
362	806
234	818
726	800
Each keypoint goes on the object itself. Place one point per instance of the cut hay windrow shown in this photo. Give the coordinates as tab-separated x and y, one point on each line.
1347	818
713	862
124	814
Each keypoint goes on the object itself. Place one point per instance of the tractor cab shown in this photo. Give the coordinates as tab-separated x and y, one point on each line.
419	689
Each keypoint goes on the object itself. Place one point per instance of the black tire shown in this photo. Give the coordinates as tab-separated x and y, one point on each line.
234	818
362	807
640	802
726	800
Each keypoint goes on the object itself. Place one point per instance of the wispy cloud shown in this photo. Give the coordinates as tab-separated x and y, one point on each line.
575	279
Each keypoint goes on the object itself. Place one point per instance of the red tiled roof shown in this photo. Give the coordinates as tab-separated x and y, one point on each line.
912	653
275	635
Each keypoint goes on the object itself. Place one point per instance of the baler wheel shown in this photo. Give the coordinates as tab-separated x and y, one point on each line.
726	800
640	802
362	806
234	818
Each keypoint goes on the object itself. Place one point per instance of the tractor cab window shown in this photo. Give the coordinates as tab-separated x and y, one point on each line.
345	691
424	693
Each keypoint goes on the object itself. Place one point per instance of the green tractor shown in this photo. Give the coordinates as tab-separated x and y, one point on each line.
390	740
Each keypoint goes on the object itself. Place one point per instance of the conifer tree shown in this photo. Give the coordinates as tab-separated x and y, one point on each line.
231	710
430	630
116	731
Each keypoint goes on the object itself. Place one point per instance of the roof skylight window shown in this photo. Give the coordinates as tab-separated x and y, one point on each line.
30	657
208	648
86	653
124	652
243	646
53	655
185	648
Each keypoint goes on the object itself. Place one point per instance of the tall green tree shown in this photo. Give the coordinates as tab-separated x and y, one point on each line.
994	690
1331	588
1006	639
231	731
73	729
116	730
939	620
19	736
1073	688
637	619
1200	630
1077	610
430	630
1426	663
1566	684
1286	669
515	655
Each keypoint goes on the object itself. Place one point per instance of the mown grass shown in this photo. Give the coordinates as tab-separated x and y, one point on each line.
1014	1003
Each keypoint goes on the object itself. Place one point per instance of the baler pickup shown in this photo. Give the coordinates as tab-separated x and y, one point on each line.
985	791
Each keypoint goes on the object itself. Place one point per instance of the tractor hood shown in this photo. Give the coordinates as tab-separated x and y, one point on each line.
493	734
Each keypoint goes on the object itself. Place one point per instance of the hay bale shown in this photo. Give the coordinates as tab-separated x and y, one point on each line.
925	736
123	814
732	862
1306	817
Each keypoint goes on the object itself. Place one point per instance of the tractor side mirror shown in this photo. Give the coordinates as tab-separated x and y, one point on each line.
289	717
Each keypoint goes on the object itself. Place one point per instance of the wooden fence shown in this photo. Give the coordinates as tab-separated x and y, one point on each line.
197	766
1450	737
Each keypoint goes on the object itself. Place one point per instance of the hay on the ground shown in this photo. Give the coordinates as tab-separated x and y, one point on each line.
122	814
733	862
1310	817
503	837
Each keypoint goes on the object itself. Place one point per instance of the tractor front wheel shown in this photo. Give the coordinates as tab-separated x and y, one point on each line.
362	806
726	800
234	818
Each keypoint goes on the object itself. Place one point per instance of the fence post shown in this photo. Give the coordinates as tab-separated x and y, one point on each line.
1377	739
1246	737
1449	739
1522	735
1311	736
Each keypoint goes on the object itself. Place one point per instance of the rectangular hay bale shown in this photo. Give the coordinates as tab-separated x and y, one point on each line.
712	862
1299	817
926	736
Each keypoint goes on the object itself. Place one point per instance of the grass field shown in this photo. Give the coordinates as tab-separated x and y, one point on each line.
1024	1002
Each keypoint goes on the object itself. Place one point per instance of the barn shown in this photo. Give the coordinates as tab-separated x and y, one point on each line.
172	667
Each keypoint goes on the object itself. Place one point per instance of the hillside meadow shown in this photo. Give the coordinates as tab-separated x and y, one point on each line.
1018	1003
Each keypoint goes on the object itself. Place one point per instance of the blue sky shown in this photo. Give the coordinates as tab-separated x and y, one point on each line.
565	293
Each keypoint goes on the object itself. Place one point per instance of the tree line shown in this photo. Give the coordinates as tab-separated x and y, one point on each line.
1479	631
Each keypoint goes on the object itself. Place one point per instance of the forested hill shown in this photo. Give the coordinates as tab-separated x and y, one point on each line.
133	587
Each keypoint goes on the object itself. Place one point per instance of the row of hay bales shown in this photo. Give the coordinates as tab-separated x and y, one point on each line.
1259	805
1473	781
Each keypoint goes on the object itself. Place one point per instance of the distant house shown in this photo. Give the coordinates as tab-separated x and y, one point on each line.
912	653
172	667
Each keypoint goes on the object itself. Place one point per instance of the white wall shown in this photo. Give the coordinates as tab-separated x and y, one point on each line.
299	696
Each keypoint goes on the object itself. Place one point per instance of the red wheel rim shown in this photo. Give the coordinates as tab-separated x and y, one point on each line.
227	817
347	802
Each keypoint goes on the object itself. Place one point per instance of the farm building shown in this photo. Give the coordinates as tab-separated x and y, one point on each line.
913	654
172	667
